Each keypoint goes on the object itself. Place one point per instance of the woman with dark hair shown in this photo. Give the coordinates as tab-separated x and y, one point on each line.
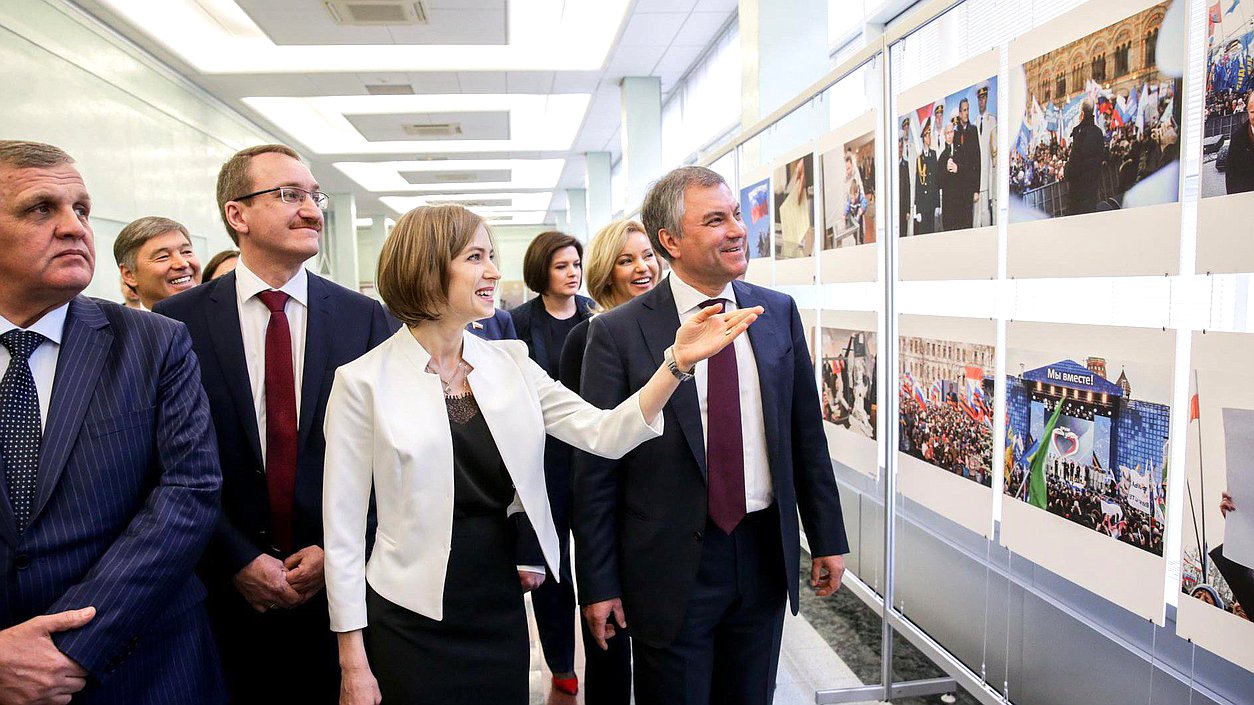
553	268
442	434
222	264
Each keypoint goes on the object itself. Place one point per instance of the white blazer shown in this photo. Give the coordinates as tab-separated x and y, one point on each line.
387	428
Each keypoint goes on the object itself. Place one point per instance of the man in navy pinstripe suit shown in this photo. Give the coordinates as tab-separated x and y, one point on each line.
110	472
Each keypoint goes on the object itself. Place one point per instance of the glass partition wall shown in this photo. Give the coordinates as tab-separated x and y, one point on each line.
1023	286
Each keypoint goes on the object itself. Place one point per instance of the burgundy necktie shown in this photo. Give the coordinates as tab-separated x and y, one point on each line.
280	419
724	446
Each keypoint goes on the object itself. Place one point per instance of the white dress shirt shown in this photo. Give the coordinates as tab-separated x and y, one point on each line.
758	491
254	316
43	362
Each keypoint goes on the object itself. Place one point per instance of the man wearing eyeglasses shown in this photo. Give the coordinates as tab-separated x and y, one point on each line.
270	336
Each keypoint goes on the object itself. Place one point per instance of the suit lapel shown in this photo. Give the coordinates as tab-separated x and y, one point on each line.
540	331
228	345
658	324
8	525
84	347
317	350
765	336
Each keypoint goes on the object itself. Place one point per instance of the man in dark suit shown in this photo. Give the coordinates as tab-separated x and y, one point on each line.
926	185
1239	172
693	538
499	327
1084	165
270	336
110	472
965	165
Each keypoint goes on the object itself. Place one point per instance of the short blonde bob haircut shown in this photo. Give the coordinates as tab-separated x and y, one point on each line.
603	253
413	273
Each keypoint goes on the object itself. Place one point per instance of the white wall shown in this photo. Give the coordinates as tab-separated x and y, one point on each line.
146	141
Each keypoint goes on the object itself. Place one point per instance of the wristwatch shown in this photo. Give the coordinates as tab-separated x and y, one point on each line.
669	358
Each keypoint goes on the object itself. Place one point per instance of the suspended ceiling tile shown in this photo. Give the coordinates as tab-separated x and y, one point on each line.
576	81
463	126
482	81
634	61
435	82
536	82
664	5
651	29
700	28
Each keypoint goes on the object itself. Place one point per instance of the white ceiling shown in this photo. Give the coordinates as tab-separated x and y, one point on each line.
309	80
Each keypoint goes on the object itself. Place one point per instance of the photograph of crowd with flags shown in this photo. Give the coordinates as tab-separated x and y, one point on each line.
946	405
1101	123
847	371
849	193
1217	565
1227	137
1082	448
947	162
794	208
755	209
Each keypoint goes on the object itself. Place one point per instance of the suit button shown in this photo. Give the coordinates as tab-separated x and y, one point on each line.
21	561
696	535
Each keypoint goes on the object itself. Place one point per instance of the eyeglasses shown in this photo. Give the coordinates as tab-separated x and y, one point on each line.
292	195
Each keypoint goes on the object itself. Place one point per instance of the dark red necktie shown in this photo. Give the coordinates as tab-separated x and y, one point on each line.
280	419
724	445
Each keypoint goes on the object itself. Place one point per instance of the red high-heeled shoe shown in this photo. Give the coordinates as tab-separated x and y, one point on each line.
570	686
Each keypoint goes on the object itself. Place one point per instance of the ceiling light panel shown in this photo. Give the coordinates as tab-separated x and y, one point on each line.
536	122
216	36
532	207
387	177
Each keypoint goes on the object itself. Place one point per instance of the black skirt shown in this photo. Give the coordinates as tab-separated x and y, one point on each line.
479	652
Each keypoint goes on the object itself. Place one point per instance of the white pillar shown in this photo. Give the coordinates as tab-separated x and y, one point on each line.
577	213
600	196
369	245
339	241
642	135
783	49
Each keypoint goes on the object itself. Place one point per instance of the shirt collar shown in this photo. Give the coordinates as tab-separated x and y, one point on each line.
688	299
248	285
50	326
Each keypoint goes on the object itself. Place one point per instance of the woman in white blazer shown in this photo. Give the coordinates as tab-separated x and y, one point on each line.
447	431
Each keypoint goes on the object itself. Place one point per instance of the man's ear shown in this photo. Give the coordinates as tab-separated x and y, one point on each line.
668	242
235	217
128	278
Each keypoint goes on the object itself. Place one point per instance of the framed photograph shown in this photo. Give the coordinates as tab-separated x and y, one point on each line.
1088	413
1227	174
848	387
947	174
851	202
1094	163
1217	543
755	210
945	396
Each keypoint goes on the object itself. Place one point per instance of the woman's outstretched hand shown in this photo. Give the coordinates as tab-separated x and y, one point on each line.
709	331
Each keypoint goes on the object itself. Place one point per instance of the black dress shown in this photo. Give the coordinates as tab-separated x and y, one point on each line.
479	652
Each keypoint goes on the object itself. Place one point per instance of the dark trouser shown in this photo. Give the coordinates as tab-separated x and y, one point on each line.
555	609
607	674
727	651
554	601
281	656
